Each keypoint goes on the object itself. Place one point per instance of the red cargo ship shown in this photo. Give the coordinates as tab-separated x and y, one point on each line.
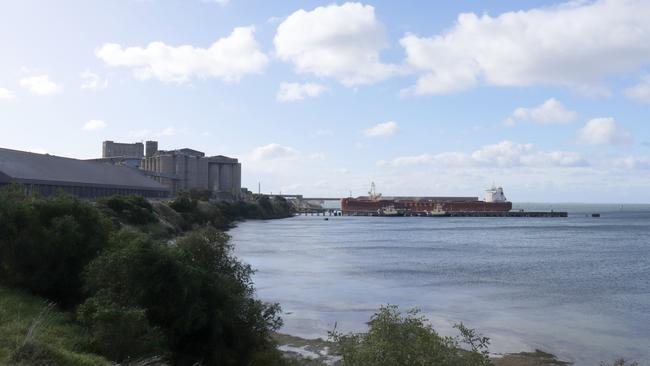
375	204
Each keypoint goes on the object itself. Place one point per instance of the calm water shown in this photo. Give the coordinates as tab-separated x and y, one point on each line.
578	287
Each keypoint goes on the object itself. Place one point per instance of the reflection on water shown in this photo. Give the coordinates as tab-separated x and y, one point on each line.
578	287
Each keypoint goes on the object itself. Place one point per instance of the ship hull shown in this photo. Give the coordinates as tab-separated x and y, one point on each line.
367	206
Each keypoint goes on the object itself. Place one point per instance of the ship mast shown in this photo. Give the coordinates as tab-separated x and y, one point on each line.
372	194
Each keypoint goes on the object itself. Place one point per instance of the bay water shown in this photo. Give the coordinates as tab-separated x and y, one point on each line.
577	287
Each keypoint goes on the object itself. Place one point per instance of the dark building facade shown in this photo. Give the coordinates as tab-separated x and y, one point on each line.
48	175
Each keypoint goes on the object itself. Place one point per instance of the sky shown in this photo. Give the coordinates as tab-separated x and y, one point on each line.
548	99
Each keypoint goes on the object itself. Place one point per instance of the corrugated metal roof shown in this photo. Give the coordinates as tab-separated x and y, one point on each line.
24	166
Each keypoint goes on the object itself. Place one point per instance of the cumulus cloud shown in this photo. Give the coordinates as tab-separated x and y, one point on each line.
94	125
632	162
140	133
604	131
381	130
6	94
563	45
274	151
549	112
505	154
641	91
40	85
291	92
228	59
220	2
168	131
337	41
92	81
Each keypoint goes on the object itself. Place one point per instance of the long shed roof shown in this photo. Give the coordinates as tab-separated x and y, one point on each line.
21	166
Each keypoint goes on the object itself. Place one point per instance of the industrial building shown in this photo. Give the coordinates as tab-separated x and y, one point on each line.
112	149
187	169
48	175
118	153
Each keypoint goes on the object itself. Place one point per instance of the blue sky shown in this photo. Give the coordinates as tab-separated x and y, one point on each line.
549	99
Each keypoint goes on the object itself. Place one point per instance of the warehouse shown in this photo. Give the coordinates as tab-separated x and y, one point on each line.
48	175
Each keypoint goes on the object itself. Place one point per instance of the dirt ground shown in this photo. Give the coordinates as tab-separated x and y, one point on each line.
537	358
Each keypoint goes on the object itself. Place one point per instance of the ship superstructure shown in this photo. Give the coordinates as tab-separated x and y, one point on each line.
376	204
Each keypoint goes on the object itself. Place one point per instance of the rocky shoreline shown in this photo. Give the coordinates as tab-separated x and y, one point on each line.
319	352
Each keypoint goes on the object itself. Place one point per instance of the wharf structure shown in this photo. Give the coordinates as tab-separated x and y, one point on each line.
495	204
47	175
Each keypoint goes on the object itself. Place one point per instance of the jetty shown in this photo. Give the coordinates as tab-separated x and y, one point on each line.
465	214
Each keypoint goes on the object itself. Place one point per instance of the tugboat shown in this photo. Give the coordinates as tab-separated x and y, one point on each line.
389	211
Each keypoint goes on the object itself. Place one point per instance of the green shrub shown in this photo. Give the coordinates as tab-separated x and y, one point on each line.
396	340
619	362
197	213
195	292
240	210
134	210
118	332
183	203
45	243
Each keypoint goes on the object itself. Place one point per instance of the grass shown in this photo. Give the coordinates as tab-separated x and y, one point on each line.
33	333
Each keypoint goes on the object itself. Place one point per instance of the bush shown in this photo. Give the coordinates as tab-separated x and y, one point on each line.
619	362
134	210
240	210
117	332
197	213
396	340
196	293
45	243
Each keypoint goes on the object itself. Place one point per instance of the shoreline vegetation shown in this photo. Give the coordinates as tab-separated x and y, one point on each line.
128	281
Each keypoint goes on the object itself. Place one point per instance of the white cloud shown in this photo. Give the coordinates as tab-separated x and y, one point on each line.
228	58
94	125
505	154
323	133
336	41
274	151
92	81
381	130
6	94
291	92
602	131
277	152
632	162
40	85
220	2
641	91
140	133
549	112
577	44
169	131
